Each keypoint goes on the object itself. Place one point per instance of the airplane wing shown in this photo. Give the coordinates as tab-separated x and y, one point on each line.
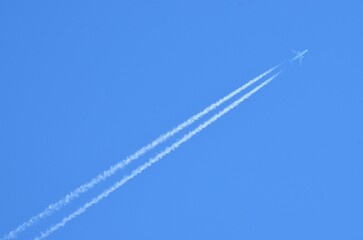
300	60
296	52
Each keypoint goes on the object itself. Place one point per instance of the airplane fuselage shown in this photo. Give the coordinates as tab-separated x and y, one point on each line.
299	56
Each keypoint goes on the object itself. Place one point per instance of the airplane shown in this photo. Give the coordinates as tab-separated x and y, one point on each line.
299	55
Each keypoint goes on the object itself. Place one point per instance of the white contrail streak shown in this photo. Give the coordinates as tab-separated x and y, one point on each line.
153	160
107	173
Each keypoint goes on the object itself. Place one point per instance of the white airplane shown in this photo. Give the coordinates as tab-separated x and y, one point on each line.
299	55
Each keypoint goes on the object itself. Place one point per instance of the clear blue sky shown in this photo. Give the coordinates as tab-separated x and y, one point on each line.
85	83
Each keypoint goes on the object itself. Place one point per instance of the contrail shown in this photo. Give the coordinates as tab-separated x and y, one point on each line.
153	160
113	169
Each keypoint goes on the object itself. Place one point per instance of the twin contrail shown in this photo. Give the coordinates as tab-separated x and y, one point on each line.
113	169
153	160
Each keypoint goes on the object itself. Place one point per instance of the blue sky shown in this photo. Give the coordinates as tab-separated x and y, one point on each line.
84	84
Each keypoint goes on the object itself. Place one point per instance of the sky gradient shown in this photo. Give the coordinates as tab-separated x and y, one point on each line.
84	84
